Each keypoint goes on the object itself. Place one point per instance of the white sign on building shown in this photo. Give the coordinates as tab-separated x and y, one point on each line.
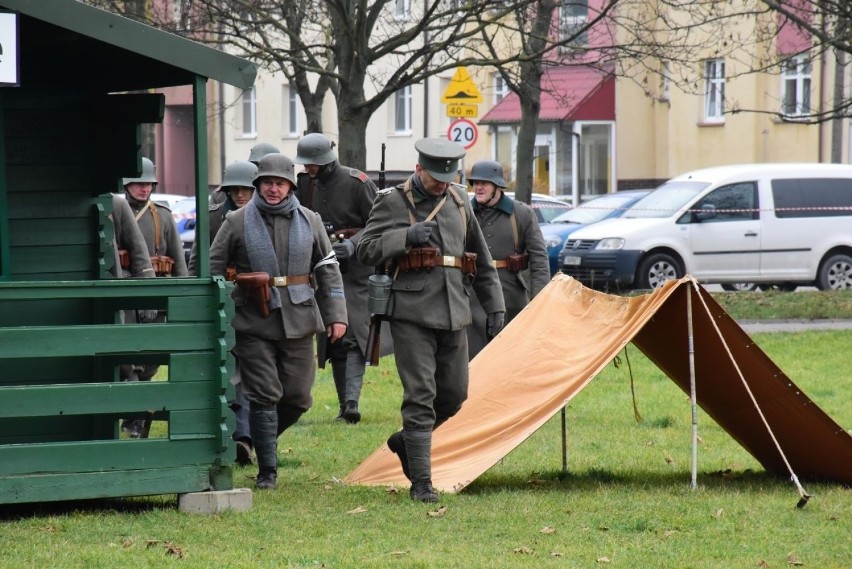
9	49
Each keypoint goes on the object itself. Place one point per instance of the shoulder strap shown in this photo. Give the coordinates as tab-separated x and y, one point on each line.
462	211
155	215
514	223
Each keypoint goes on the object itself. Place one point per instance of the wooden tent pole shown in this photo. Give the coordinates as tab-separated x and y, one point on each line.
564	443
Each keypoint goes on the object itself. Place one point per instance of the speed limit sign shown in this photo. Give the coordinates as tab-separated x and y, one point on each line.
464	132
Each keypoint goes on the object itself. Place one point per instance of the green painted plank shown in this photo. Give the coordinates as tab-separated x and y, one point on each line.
88	485
56	312
94	398
136	288
192	366
97	456
50	260
55	341
54	232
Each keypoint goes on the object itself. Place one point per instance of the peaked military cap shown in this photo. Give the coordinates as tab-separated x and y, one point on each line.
440	157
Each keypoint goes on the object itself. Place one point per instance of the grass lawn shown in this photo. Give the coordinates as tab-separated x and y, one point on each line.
625	501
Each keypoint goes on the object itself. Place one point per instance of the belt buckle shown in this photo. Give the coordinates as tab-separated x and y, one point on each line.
448	260
279	281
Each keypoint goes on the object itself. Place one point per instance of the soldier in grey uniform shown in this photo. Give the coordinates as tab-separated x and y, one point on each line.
165	251
235	192
132	258
343	197
427	222
516	245
285	246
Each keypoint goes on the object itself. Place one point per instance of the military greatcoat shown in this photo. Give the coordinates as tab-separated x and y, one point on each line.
496	224
168	240
343	197
130	238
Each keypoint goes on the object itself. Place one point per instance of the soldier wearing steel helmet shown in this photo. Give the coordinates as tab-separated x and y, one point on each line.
236	191
426	230
165	251
516	244
343	197
278	249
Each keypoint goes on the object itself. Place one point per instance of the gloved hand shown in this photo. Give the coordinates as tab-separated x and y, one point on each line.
419	233
494	323
343	249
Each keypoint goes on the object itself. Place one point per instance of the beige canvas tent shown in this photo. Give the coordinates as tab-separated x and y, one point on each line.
525	376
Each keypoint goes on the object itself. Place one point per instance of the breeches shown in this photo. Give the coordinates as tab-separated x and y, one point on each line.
277	370
432	365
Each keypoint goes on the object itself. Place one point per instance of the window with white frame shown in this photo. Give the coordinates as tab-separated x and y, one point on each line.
501	89
249	106
291	112
796	86
402	111
714	90
402	9
573	16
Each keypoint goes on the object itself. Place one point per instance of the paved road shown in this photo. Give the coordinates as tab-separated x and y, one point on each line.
752	326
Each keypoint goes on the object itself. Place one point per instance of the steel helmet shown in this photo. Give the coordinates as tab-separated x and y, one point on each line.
260	150
240	173
314	148
488	171
149	175
275	164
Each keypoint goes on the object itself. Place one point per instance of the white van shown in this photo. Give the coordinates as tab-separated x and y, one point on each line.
781	224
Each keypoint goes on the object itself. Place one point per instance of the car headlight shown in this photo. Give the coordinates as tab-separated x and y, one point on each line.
553	241
610	243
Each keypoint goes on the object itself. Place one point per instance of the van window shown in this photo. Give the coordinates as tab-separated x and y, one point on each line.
802	197
666	200
735	202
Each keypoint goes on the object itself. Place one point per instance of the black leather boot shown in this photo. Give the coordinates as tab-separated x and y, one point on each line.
263	422
418	446
287	417
396	443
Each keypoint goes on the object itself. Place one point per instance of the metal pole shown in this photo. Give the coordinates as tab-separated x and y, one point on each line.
564	444
692	395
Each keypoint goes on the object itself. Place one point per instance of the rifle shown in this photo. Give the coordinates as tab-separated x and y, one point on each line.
382	169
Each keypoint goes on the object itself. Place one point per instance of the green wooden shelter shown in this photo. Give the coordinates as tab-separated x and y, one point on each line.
69	131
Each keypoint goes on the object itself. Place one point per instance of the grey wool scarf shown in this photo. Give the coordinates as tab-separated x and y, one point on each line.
262	255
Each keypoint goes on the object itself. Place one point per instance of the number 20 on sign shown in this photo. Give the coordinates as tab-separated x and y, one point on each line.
464	132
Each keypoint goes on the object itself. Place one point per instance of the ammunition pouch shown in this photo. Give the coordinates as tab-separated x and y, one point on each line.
256	287
420	258
469	265
162	265
230	273
124	259
517	262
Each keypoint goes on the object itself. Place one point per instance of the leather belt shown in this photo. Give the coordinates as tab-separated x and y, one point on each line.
289	280
450	261
501	264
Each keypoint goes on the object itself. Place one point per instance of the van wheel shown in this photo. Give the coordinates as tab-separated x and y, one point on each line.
656	269
835	273
739	287
781	287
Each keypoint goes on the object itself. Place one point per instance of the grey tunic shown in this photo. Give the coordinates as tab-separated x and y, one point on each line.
496	227
130	238
344	197
169	239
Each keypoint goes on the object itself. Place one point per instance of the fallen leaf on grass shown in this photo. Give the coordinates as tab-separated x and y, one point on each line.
718	514
603	559
288	450
398	553
439	513
793	560
547	529
555	554
392	489
670	460
48	529
763	564
524	550
358	510
151	542
603	528
127	543
669	532
173	549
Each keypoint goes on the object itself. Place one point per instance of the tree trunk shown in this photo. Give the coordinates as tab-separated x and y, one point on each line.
525	154
352	126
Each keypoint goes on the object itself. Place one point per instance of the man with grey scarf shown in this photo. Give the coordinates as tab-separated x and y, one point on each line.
275	235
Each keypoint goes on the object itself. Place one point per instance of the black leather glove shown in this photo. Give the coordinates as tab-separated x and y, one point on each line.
343	249
419	233
494	323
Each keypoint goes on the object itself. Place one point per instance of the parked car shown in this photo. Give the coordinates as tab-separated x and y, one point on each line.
187	238
184	213
168	200
546	208
777	224
604	207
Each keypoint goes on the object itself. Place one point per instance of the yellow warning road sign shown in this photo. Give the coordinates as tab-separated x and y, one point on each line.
461	89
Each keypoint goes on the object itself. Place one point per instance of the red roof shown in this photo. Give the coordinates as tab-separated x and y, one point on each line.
568	93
